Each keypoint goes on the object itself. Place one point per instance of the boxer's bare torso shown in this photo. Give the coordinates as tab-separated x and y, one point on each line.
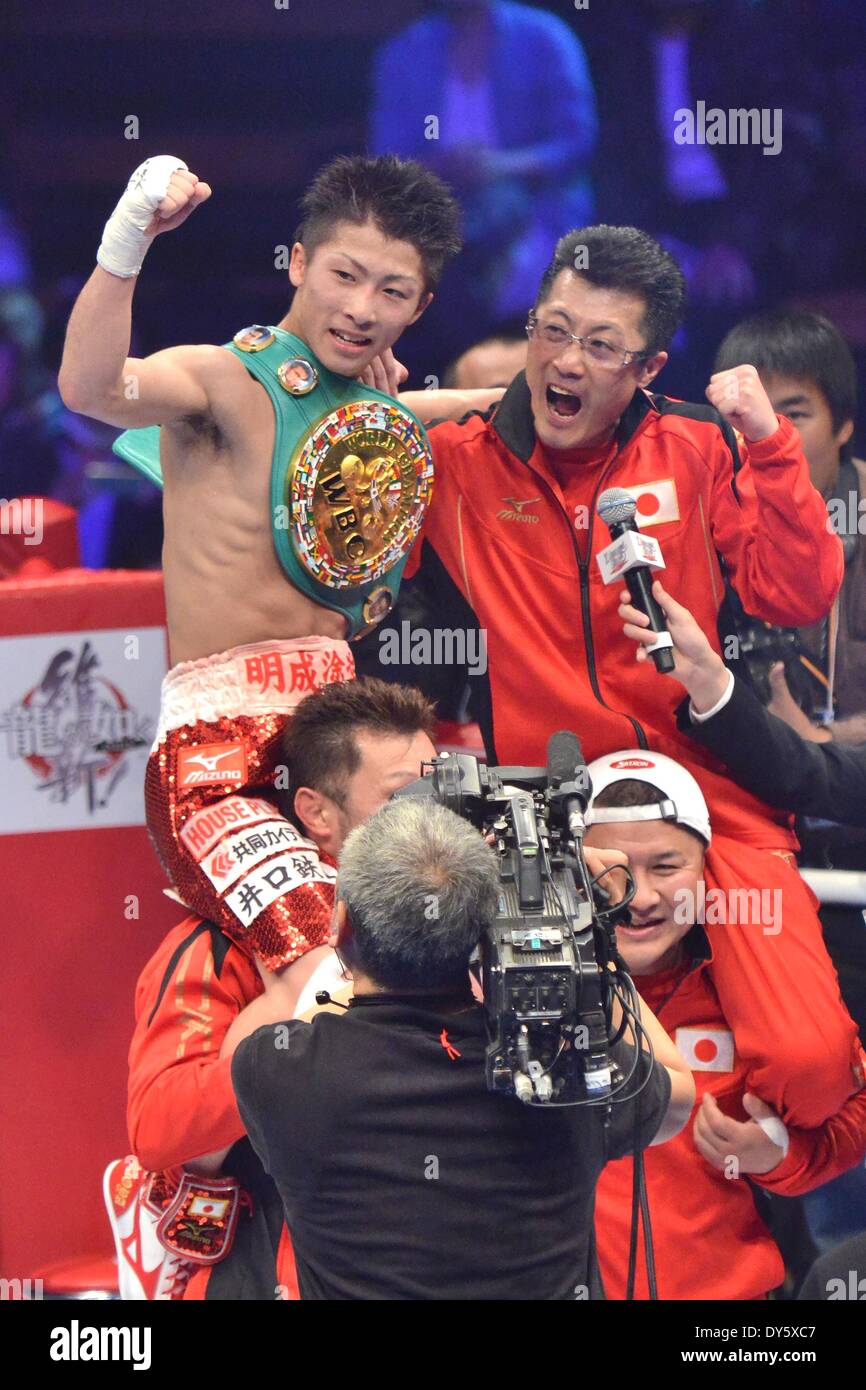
223	583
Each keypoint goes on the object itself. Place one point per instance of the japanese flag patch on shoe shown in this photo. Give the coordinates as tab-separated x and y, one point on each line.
146	1271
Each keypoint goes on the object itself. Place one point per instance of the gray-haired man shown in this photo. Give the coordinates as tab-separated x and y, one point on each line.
401	1176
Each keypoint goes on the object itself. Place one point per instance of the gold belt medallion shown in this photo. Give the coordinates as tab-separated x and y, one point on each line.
358	487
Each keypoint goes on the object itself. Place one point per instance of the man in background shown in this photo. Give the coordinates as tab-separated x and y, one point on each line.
494	361
496	98
810	377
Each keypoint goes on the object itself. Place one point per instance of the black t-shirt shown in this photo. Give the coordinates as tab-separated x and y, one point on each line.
403	1177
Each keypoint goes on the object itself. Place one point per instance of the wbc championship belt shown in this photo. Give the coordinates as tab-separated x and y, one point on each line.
351	477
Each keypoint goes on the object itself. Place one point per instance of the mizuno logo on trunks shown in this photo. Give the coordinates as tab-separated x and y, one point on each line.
212	763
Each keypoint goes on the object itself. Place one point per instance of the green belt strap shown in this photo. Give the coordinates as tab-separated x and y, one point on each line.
297	419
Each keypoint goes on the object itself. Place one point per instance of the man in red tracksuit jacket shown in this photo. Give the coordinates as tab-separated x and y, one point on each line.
349	747
181	1104
510	545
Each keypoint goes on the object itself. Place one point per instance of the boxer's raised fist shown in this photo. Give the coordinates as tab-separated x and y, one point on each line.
159	196
739	396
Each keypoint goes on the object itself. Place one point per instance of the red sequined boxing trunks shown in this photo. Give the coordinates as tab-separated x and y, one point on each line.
209	795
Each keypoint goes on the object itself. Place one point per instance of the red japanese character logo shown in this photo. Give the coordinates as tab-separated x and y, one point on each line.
266	671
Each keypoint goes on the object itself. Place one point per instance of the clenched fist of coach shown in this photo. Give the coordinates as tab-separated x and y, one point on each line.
740	398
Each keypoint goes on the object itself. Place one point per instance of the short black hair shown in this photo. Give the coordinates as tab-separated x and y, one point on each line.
626	259
512	330
631	791
318	746
798	344
406	201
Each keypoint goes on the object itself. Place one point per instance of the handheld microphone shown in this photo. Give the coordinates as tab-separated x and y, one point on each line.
323	997
632	556
571	788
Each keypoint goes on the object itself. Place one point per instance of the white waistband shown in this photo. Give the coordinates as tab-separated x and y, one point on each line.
258	678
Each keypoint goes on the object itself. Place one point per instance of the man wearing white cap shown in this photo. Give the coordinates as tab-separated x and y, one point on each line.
710	1241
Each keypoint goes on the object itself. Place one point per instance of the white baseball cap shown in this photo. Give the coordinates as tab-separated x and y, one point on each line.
684	801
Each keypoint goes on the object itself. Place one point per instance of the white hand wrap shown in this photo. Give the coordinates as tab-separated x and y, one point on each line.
124	244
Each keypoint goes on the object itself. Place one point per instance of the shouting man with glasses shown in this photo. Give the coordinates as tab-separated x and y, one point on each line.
510	547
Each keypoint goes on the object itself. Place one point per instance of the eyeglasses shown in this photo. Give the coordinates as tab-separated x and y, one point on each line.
597	349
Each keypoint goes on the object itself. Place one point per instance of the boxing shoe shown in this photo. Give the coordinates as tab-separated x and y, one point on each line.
146	1270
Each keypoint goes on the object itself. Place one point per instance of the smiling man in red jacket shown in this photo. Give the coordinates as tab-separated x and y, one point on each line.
709	1240
510	547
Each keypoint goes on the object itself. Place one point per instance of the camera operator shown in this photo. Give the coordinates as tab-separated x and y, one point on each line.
402	1177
